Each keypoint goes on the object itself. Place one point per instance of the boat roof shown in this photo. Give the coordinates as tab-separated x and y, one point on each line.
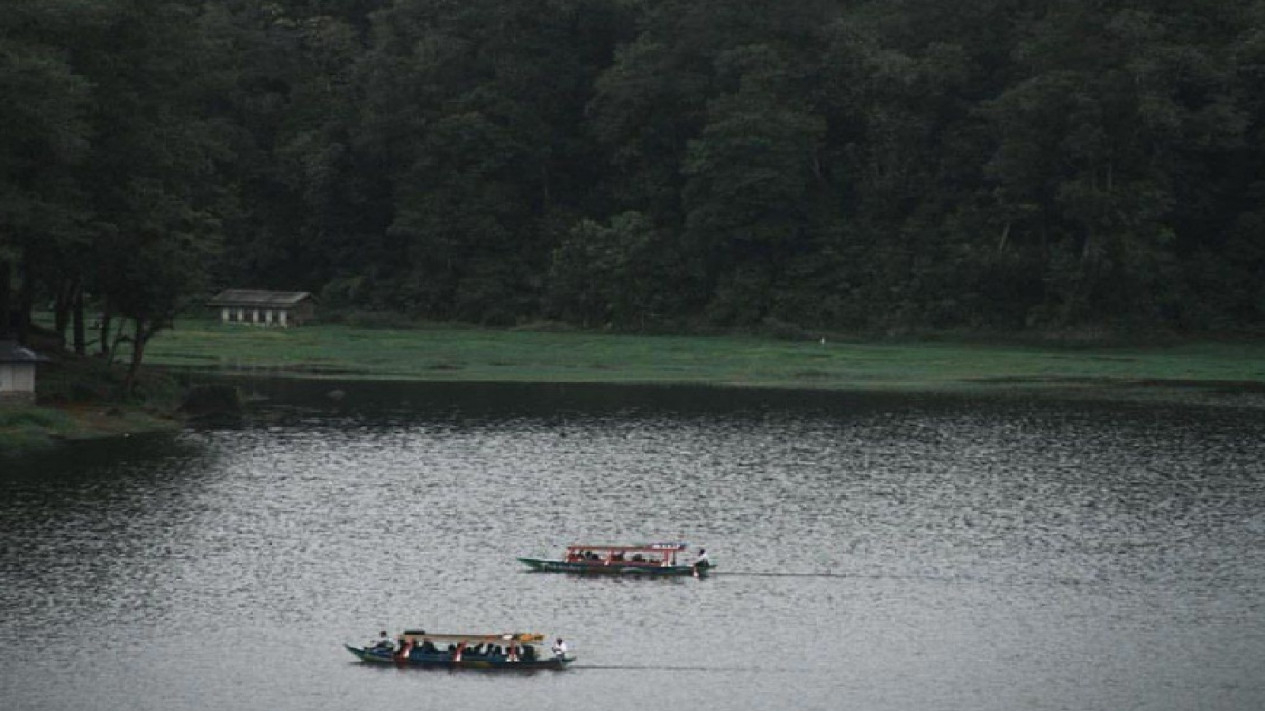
523	637
655	547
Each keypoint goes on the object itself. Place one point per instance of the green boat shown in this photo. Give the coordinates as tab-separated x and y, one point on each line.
508	652
644	559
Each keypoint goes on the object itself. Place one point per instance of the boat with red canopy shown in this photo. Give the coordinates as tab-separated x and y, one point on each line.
418	648
639	559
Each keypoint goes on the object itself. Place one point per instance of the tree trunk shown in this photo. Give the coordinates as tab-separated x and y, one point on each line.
6	301
138	353
26	301
1005	237
61	309
104	330
80	339
119	336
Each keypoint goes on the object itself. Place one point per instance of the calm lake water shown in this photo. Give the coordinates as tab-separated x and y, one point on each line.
884	553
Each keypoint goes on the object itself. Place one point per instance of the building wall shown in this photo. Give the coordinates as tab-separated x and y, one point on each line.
17	381
268	315
302	312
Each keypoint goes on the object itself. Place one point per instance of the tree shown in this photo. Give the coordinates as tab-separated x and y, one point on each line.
623	275
1093	148
153	165
473	114
753	188
42	208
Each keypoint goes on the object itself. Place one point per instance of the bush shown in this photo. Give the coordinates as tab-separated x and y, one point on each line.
24	416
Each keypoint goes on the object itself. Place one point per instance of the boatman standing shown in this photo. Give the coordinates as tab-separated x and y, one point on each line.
702	563
559	649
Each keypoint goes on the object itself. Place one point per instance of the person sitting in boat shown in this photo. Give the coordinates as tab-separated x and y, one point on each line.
384	641
702	563
559	649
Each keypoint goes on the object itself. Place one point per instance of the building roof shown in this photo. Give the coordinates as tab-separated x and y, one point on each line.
257	297
11	352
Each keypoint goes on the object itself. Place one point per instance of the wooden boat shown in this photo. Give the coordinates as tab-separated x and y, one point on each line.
645	559
417	648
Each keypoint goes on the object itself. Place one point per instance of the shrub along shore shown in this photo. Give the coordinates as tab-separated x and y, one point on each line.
75	401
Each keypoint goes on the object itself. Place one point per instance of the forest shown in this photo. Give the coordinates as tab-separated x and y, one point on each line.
638	165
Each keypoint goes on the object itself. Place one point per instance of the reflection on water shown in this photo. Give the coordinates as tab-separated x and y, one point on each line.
875	552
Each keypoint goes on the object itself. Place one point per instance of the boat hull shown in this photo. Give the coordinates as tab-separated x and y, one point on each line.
546	565
444	660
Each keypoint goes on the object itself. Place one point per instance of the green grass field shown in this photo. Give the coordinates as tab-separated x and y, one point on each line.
452	354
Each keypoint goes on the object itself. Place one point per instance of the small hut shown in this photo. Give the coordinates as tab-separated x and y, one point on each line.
264	308
17	372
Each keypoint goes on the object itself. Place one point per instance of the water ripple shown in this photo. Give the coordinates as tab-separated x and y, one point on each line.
889	553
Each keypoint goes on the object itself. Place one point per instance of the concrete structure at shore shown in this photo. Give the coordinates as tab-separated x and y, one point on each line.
17	372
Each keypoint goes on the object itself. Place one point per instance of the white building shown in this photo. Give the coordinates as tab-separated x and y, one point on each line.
264	308
17	372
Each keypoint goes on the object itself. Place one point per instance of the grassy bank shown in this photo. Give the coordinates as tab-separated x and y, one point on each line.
81	398
26	428
1185	371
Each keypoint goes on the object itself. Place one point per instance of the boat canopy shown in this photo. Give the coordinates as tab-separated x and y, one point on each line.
417	636
636	547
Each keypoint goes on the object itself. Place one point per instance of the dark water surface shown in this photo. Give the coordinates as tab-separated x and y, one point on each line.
876	553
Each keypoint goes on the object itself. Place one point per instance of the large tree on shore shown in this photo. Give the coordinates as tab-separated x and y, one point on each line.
152	169
45	138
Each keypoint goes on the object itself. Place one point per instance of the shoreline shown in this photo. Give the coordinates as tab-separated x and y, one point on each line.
50	426
1197	373
1176	392
30	429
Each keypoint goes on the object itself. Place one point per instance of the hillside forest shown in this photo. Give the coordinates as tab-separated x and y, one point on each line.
639	165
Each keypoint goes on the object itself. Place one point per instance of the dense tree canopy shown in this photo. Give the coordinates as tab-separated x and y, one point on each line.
640	164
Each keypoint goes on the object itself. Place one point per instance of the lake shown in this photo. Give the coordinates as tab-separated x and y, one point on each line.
874	552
